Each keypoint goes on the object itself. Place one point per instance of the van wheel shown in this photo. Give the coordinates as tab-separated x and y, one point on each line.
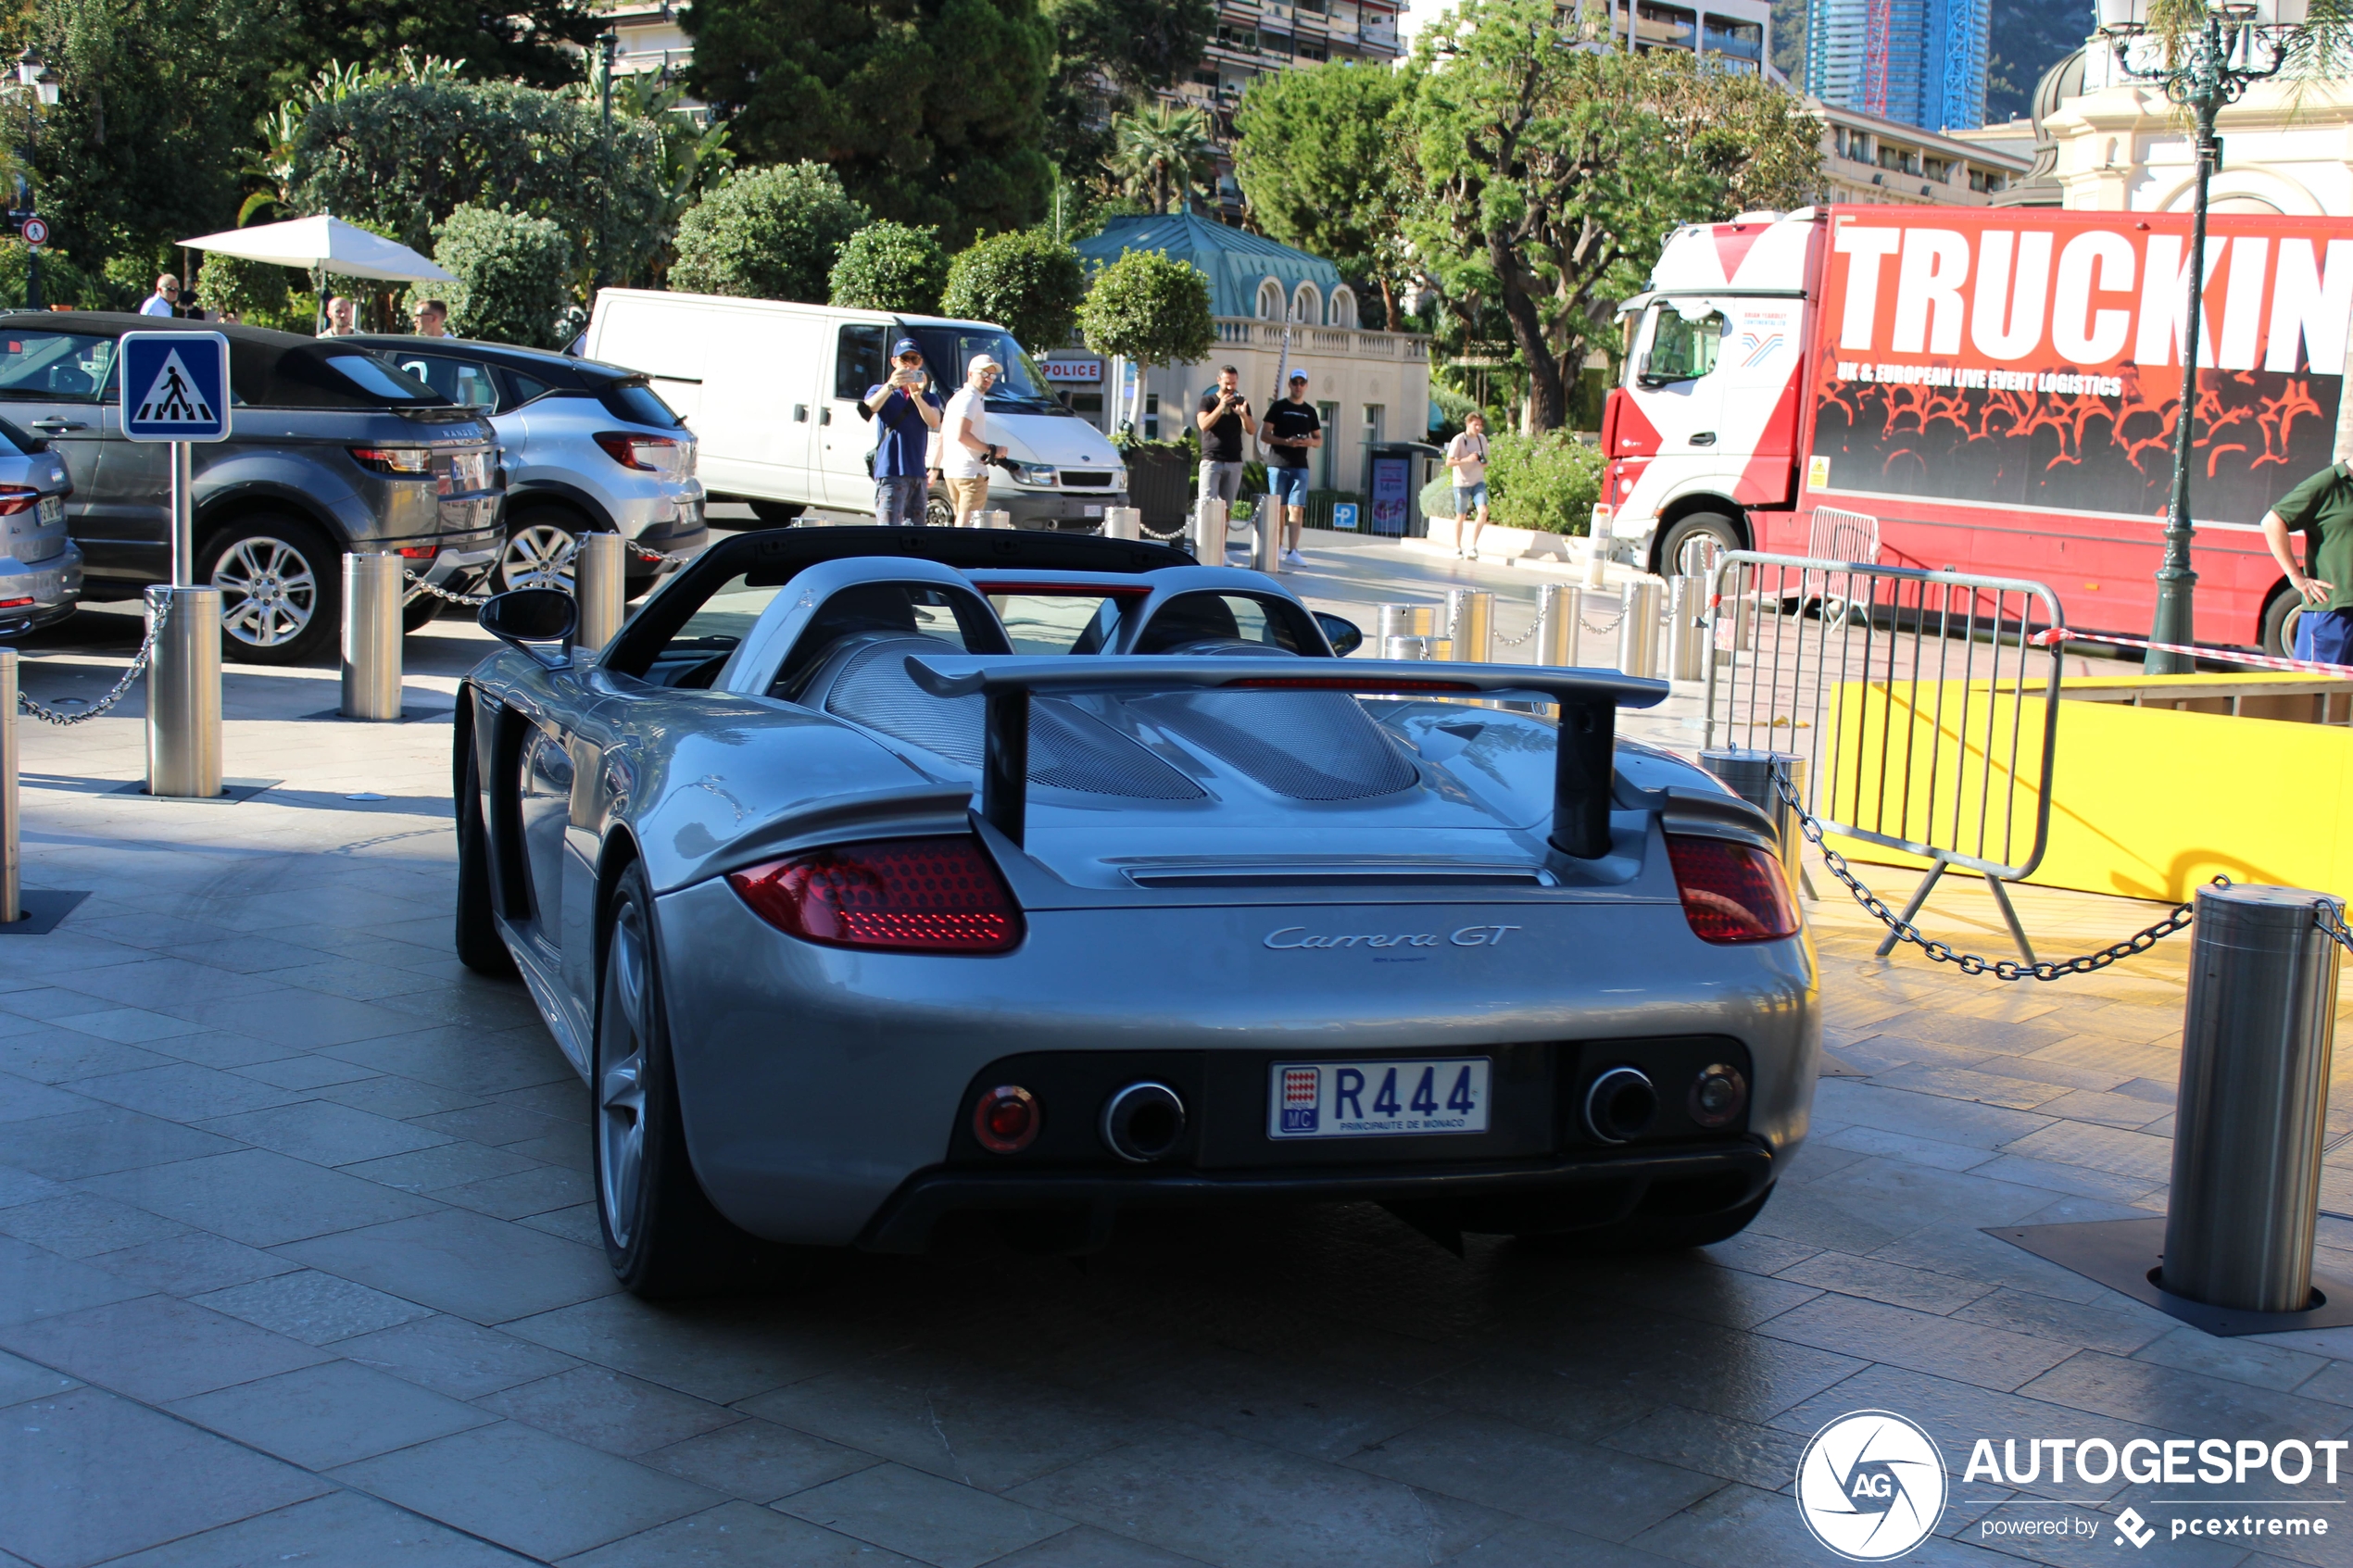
1693	543
938	511
2279	623
281	589
777	514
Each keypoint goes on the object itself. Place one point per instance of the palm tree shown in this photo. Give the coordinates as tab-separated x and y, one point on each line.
1160	145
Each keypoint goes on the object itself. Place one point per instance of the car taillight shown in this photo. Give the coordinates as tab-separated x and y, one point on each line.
15	499
653	454
410	462
1731	892
903	895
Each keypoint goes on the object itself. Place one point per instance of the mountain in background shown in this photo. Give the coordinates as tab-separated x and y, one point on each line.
2027	38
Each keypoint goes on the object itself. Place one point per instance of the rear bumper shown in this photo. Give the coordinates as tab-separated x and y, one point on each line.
1053	509
1587	1190
54	586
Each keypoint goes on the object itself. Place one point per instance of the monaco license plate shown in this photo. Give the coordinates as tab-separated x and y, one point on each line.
1094	511
1360	1100
51	509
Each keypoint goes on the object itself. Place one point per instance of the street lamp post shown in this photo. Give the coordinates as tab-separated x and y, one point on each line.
609	45
32	80
2201	70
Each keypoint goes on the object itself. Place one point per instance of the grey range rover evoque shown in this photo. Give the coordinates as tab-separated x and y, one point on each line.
332	448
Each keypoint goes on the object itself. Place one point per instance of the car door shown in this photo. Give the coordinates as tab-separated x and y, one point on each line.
542	794
846	436
55	383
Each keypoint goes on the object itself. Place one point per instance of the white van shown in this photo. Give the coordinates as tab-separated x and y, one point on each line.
772	390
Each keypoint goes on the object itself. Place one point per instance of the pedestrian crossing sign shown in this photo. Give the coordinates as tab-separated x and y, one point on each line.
175	387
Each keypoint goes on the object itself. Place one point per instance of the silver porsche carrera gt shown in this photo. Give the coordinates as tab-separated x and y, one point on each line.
875	876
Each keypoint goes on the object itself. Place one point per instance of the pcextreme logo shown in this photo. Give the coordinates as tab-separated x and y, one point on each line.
1871	1485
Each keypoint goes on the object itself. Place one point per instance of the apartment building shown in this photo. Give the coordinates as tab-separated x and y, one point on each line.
1868	158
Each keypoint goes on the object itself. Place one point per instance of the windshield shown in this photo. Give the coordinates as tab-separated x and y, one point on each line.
55	367
1020	390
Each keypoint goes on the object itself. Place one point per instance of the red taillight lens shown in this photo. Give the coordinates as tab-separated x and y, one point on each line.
654	454
1006	1120
905	895
408	462
1731	892
15	499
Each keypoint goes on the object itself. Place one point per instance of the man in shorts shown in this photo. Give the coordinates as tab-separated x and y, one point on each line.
2322	508
1292	431
1225	420
905	411
1466	455
964	449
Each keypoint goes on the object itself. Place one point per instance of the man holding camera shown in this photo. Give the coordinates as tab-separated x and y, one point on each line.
905	412
1224	418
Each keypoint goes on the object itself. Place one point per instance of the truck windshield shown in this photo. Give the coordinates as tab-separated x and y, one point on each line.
1020	390
1681	349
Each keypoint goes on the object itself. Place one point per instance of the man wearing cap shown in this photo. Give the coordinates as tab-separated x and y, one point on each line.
1292	430
964	449
905	411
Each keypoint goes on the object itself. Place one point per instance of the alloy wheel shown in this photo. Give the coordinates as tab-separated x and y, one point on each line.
620	1073
538	556
268	591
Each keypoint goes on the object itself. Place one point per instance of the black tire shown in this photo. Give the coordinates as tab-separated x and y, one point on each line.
536	550
1687	532
1649	1233
281	584
2279	623
419	612
777	514
661	1234
478	943
938	511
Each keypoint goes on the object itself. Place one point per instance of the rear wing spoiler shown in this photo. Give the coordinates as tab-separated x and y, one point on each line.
1583	764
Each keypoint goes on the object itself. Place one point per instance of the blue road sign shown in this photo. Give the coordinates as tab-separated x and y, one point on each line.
175	387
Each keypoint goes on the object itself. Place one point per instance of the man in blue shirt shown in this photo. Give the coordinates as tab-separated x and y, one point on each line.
165	301
906	411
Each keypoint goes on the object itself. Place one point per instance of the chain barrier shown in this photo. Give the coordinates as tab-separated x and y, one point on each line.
1971	963
162	611
438	592
2332	924
1515	642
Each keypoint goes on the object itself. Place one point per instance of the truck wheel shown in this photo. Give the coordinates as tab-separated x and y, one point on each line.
1693	543
2279	623
777	514
281	589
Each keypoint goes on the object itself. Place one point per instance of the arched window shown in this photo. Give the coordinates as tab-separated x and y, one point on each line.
1342	311
1270	300
1307	304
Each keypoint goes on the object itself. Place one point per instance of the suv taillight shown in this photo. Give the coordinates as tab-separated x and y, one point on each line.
15	499
903	895
653	454
408	462
1731	892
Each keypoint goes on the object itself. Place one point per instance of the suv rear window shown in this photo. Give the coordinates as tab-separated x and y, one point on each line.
371	374
55	367
639	404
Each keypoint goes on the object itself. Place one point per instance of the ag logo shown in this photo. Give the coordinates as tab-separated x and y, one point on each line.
1871	1485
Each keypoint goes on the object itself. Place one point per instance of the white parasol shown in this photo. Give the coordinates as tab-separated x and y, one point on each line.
324	245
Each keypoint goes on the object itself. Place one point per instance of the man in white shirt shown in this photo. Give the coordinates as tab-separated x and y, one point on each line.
1466	455
964	450
165	301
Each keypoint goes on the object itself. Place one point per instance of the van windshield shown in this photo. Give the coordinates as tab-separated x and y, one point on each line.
1020	390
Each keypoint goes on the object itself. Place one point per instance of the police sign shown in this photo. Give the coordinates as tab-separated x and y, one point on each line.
175	387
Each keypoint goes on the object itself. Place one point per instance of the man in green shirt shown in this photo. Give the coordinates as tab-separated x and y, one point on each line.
2322	508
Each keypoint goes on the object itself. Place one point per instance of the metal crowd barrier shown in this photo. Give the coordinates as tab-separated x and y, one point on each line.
1924	743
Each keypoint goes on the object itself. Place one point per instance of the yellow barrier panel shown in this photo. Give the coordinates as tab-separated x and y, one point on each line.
2145	802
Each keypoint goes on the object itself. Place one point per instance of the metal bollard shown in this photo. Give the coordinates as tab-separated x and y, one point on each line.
1123	522
1470	621
11	861
1749	775
1266	536
1406	621
1597	552
1401	646
2256	1030
1209	532
1687	642
184	695
372	589
998	518
597	586
1638	627
1558	624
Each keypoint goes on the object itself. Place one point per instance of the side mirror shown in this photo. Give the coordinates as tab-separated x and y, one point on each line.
1344	634
527	618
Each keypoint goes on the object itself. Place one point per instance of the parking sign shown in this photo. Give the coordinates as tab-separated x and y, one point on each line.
175	387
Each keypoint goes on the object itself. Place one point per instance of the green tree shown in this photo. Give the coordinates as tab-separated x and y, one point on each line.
514	276
889	266
1161	149
522	40
256	291
1544	177
401	157
1314	158
774	233
1150	310
931	111
1030	284
1107	51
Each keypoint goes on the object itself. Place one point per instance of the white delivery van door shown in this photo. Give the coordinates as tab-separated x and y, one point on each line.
656	334
845	439
760	404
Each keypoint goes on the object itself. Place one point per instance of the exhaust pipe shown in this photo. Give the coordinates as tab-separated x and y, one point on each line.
1143	1122
1620	1104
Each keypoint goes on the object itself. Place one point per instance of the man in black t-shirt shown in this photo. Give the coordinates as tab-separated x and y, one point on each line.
1224	418
1293	432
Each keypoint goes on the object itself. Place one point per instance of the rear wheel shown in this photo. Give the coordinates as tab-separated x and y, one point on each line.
938	511
662	1236
2279	623
539	551
777	514
1693	543
281	589
479	947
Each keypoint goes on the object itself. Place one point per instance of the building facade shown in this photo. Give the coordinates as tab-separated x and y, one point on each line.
1370	387
1866	158
1920	62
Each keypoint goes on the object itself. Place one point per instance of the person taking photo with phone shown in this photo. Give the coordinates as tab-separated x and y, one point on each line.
905	412
1293	430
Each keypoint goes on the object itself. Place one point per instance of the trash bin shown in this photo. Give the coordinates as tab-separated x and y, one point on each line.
1160	486
1396	473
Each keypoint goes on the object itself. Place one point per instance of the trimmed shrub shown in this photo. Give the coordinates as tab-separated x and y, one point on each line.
512	277
889	266
1548	482
774	233
256	291
1028	282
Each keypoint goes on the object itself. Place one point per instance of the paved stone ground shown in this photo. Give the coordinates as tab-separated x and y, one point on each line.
297	1260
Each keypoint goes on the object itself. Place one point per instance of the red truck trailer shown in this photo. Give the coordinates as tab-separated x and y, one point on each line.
1997	388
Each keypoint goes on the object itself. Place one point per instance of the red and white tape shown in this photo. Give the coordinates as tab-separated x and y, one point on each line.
2059	635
